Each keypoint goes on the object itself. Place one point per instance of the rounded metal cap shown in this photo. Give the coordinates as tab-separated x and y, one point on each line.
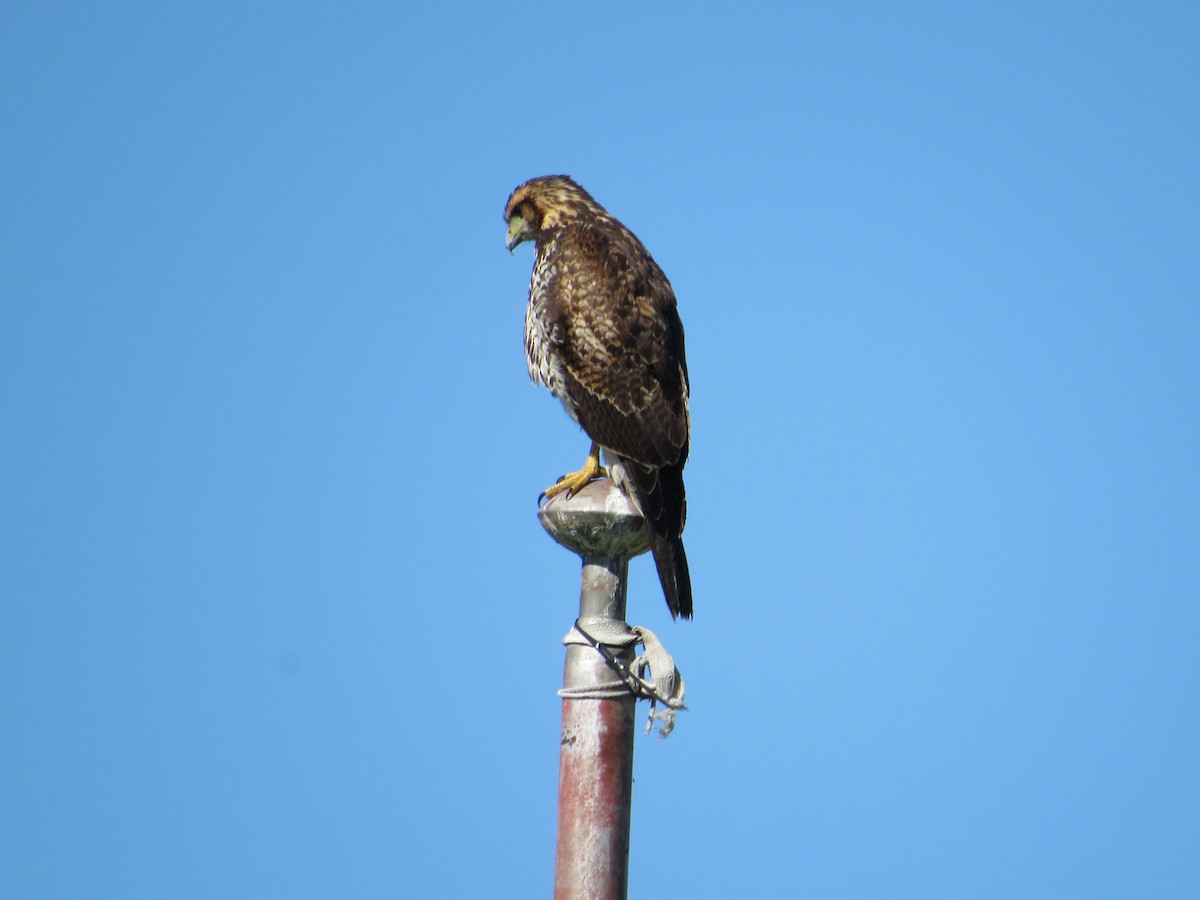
598	520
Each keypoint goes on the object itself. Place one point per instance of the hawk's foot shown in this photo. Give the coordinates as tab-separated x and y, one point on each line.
575	481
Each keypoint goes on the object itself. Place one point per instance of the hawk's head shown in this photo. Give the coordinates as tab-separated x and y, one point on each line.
542	204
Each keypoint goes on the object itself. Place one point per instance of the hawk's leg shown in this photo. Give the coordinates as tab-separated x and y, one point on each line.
574	481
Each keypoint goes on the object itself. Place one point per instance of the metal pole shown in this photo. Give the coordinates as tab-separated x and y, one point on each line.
595	763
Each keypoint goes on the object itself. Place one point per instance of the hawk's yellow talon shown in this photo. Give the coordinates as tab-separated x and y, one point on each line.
576	481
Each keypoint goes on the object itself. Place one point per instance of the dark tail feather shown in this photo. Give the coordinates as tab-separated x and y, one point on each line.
673	573
664	506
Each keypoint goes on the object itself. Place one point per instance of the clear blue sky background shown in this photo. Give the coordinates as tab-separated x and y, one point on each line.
277	616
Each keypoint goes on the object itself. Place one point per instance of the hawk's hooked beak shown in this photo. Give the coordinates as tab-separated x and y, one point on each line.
516	233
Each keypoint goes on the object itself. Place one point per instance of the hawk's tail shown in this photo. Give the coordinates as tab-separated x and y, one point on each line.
673	573
663	503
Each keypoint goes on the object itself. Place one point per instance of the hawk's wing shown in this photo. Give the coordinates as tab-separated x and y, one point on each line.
620	342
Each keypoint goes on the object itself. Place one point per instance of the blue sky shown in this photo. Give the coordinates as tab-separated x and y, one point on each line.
278	616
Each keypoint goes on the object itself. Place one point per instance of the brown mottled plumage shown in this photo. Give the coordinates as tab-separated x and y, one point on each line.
602	333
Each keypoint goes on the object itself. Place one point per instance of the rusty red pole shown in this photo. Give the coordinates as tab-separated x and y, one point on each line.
595	768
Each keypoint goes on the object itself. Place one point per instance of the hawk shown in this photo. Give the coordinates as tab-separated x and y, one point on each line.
603	335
